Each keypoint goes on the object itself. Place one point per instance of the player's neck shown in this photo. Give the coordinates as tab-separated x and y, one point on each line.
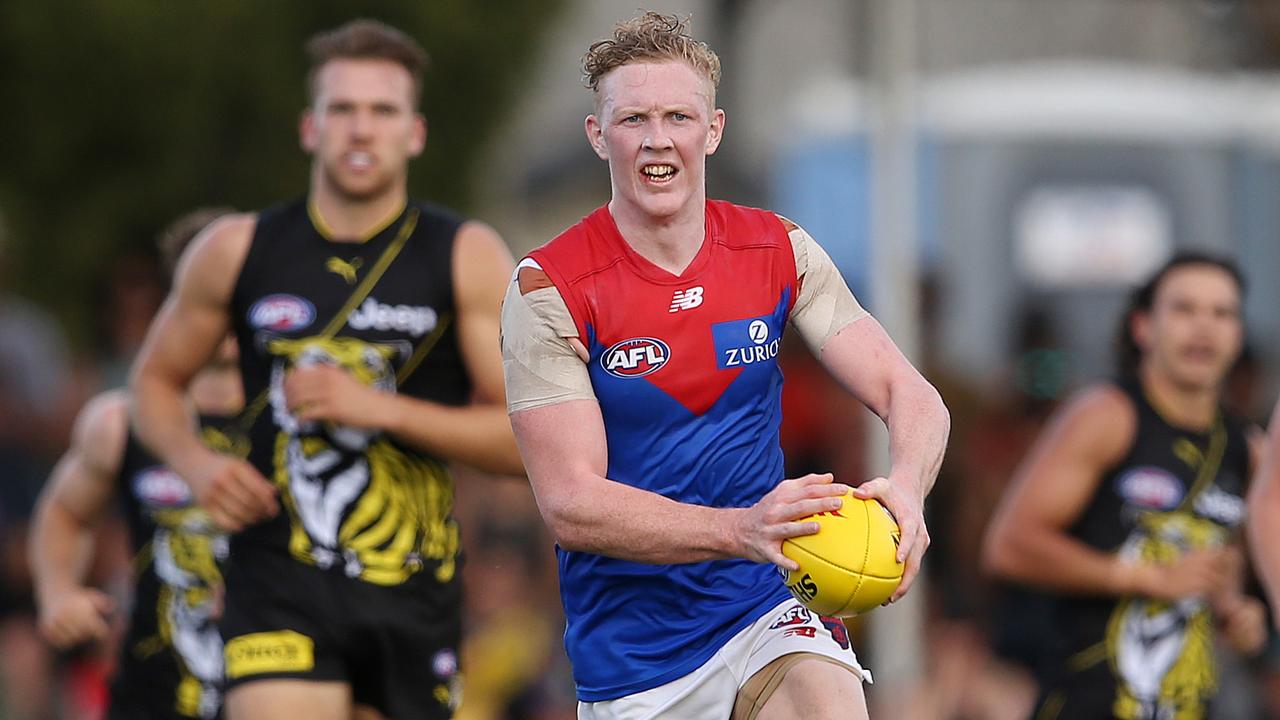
345	219
216	390
1193	408
670	242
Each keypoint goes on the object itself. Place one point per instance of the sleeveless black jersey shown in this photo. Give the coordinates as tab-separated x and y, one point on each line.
171	664
1176	490
353	500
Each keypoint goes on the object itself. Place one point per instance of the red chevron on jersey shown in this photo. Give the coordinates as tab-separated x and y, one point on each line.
691	334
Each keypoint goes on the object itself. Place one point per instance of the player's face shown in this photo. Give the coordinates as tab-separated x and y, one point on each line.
362	129
1193	333
656	126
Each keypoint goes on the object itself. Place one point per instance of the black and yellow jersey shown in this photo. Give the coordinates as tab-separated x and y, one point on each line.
171	663
353	500
1176	490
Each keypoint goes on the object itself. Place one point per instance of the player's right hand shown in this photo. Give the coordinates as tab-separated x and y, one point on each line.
233	492
76	616
761	528
1198	573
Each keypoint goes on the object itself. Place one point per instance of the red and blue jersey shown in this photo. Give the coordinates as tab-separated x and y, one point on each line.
685	370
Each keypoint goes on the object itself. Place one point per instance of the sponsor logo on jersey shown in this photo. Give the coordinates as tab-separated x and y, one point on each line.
686	299
804	631
343	268
269	652
1150	487
795	615
444	664
740	343
416	320
1220	506
636	357
281	313
161	487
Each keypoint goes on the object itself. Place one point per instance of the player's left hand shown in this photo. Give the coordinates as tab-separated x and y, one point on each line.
906	504
328	393
1242	620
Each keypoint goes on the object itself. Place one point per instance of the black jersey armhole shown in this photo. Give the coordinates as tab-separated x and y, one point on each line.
252	259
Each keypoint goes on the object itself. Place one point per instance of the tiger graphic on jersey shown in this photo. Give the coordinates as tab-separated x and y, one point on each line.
186	552
357	500
1163	651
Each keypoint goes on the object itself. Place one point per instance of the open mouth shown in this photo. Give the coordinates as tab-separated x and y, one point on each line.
658	173
358	160
1200	354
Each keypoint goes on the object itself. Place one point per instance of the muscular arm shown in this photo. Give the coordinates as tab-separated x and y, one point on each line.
561	435
861	356
588	512
182	339
477	434
1028	539
73	501
1264	515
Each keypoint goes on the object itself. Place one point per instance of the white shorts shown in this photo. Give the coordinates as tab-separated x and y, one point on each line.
709	692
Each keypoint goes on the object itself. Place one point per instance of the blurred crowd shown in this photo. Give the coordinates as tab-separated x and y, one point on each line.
981	637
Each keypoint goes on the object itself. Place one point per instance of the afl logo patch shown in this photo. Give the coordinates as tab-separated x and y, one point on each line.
1150	487
636	357
281	313
161	487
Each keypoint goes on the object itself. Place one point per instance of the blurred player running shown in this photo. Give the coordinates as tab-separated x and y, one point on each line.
1129	508
171	661
368	329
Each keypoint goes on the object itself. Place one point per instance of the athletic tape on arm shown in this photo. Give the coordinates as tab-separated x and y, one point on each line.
825	305
540	365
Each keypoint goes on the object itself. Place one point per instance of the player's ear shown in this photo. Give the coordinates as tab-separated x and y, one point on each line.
308	135
1140	329
418	140
595	136
716	132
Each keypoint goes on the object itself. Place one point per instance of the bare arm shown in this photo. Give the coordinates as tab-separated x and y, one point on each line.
1028	539
588	512
478	434
859	353
1264	515
866	361
182	339
70	506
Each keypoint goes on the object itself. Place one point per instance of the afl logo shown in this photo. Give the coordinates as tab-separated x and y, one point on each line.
1150	487
636	357
281	313
161	487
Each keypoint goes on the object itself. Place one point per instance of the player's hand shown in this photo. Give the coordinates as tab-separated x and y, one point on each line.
760	529
233	492
1242	621
1198	573
906	504
76	616
330	394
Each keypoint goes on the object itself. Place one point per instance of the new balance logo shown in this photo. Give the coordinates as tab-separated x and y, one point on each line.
686	299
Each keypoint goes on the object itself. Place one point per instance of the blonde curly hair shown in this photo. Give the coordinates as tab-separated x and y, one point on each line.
649	37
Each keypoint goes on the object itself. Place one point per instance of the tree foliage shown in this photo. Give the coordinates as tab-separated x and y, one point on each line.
122	114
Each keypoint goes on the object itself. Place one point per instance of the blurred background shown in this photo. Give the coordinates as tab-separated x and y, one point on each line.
990	175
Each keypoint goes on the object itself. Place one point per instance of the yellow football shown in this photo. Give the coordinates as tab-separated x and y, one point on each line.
850	566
